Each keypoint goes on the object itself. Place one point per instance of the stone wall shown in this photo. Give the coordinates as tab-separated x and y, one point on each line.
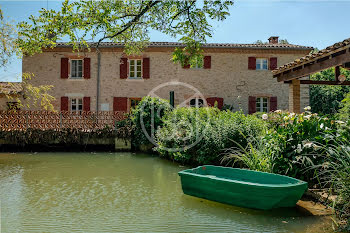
228	77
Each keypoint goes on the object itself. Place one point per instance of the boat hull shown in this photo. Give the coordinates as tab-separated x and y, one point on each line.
241	187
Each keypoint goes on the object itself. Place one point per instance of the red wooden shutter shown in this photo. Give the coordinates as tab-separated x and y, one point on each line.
64	103
86	104
273	63
87	68
123	68
252	105
186	65
207	62
251	63
120	104
273	103
145	68
64	67
211	101
220	102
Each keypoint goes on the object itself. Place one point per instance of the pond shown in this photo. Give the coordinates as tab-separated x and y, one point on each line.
120	192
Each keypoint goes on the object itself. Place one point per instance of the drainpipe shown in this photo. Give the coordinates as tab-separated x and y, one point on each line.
98	79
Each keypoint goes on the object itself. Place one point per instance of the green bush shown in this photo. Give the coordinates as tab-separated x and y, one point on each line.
147	116
344	112
200	135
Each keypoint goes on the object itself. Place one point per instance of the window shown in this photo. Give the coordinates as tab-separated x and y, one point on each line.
12	106
76	104
262	104
135	68
199	64
76	69
261	63
196	103
134	102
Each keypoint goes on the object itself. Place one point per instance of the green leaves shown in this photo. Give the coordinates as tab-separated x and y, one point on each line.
128	22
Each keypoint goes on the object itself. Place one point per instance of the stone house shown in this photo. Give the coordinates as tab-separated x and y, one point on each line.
10	93
234	75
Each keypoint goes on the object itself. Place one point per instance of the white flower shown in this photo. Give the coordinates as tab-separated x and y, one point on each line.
278	111
308	145
321	126
286	118
340	122
307	117
292	115
264	116
308	108
299	149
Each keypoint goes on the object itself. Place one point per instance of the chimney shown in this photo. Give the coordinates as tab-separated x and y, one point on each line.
273	40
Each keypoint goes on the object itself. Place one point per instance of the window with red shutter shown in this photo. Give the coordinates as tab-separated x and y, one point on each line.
251	63
212	100
207	62
120	104
64	103
64	67
252	104
273	103
86	104
146	68
123	68
273	63
87	68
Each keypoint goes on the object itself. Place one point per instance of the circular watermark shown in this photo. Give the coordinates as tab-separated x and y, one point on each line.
185	131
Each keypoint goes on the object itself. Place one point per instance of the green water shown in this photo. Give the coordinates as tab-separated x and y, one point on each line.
119	192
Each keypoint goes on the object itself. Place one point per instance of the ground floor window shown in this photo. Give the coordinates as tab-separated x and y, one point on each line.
134	102
262	104
76	104
196	102
13	105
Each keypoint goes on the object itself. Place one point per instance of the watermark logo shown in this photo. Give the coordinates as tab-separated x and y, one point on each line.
184	131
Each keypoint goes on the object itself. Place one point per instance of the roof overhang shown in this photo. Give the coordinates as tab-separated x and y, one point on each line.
333	56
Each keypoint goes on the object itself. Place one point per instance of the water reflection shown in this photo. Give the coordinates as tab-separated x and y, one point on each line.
104	192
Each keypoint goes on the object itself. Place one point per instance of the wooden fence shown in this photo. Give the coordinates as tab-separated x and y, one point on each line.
85	121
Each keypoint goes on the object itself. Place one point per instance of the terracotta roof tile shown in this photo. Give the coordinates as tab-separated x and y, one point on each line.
312	57
206	45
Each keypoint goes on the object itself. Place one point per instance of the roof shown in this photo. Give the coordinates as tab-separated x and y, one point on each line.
314	56
206	45
10	88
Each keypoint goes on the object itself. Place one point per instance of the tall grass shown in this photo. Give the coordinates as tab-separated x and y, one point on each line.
257	155
334	174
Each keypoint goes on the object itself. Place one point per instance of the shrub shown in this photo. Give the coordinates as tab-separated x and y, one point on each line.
344	112
148	116
200	135
334	174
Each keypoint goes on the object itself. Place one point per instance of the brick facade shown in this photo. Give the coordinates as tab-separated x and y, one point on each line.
228	76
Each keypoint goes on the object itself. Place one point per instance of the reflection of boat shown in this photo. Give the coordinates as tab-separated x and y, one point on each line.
241	187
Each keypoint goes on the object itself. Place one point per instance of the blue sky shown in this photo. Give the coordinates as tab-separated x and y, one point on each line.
316	23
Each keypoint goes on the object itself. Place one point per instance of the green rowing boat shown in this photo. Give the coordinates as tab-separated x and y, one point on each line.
241	187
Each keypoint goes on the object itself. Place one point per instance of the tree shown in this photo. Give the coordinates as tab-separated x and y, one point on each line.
32	95
326	99
129	22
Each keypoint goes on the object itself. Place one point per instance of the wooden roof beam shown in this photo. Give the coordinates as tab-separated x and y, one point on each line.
321	64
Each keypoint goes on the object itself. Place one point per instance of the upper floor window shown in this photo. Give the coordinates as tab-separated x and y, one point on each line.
76	104
262	104
198	64
197	102
135	68
76	69
261	64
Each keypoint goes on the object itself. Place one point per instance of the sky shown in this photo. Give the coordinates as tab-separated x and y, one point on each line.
317	23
